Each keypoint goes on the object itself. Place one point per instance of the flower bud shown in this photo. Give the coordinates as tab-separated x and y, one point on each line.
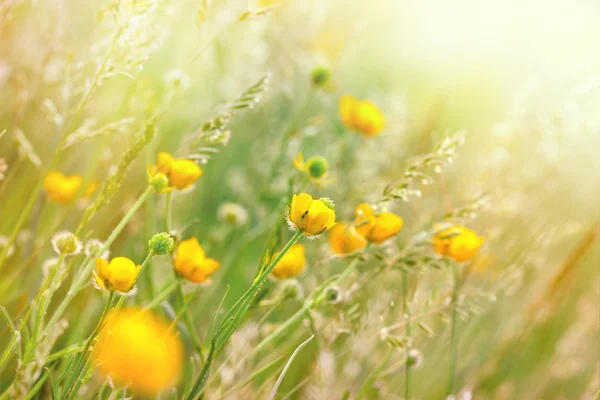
317	167
161	243
414	358
159	182
66	243
320	76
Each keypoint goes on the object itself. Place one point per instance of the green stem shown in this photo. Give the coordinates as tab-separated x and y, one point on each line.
187	317
162	295
82	358
84	275
33	195
233	318
168	211
408	331
453	337
289	132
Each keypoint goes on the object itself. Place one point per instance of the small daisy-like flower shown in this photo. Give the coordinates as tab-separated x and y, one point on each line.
232	213
315	168
138	349
361	116
191	262
180	172
120	274
312	216
63	188
344	239
66	243
457	242
376	228
93	248
291	264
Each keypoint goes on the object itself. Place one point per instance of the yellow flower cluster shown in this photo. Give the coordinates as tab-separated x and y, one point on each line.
62	188
137	349
457	242
361	116
181	173
367	227
191	262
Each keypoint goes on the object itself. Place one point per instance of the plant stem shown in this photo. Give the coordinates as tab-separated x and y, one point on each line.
408	331
84	275
54	159
162	295
233	318
168	210
453	337
82	358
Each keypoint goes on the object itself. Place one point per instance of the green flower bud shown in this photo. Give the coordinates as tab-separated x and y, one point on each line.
159	182
316	167
320	76
161	243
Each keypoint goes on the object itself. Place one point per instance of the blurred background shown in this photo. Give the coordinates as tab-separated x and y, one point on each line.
520	79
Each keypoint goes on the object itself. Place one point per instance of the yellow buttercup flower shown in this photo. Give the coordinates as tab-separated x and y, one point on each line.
376	228
344	239
192	264
62	188
361	116
315	168
291	264
120	274
181	172
313	217
137	349
458	242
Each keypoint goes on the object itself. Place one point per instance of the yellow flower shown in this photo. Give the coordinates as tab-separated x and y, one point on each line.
315	168
181	172
458	242
376	228
361	116
291	264
63	188
137	349
344	239
119	275
191	262
313	217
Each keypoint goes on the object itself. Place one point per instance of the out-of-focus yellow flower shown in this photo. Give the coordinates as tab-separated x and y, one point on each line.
458	242
137	349
344	239
120	274
376	228
63	188
192	264
181	172
330	43
315	168
291	264
361	116
313	217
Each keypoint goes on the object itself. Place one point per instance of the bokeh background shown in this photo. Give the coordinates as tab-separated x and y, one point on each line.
520	78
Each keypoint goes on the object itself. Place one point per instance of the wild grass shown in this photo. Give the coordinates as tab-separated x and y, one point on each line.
238	89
